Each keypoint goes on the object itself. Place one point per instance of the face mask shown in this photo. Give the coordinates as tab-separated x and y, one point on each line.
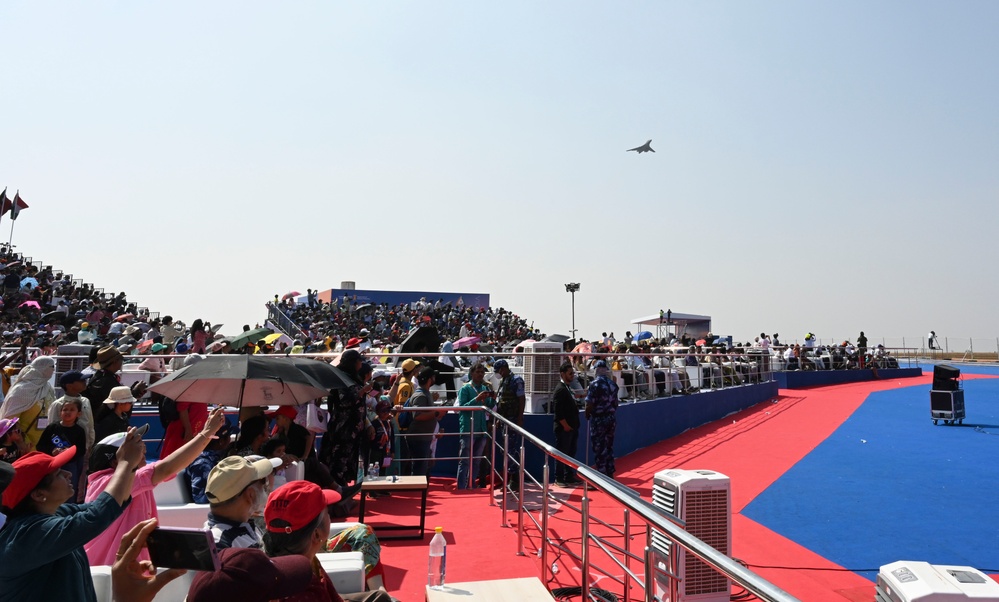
259	502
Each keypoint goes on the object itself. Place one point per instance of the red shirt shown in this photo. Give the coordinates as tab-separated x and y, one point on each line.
320	590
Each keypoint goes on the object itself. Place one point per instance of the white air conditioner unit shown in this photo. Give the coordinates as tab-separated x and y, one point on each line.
79	362
541	375
916	581
703	500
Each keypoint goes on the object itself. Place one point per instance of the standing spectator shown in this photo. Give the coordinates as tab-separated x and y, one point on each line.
105	379
191	417
405	386
199	337
169	331
566	424
383	445
476	392
28	399
862	350
66	434
341	444
512	400
601	409
73	383
119	404
421	431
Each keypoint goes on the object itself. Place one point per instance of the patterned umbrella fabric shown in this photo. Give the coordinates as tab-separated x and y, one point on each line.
241	380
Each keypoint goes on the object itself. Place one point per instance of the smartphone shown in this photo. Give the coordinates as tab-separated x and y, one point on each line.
181	548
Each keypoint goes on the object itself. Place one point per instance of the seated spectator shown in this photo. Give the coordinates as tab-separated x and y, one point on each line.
250	576
299	447
6	476
155	365
236	491
298	523
252	435
103	463
12	443
276	448
42	544
197	473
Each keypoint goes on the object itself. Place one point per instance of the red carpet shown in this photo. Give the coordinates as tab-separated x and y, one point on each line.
753	447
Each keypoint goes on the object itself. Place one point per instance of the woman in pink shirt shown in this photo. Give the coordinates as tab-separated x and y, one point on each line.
102	549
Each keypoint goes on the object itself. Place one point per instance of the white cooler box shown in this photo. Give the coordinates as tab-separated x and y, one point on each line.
911	581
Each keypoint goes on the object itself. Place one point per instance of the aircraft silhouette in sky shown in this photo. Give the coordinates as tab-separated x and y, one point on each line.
645	148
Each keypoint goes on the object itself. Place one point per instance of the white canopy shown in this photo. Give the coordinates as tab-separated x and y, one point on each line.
690	324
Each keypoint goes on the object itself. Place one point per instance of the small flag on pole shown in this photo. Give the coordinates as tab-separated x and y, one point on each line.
4	201
14	206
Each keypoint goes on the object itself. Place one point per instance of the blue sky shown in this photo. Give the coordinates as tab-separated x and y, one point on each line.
827	167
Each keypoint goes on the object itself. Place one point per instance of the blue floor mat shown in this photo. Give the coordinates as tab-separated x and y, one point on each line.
889	485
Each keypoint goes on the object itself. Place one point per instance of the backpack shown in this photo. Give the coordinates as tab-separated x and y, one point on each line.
406	418
167	409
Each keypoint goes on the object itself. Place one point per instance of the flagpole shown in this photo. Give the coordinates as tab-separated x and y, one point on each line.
13	217
3	201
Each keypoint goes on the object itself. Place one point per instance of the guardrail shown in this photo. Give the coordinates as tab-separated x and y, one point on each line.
638	519
506	450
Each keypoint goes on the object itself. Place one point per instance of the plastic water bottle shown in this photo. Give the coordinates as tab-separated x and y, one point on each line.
438	560
373	471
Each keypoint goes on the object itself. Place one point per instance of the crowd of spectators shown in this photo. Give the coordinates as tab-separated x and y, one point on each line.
337	323
42	308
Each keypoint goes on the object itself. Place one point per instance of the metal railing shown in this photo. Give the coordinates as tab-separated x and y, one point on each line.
601	539
834	358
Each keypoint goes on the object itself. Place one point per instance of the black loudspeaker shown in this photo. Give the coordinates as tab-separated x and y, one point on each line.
945	378
943	371
946	385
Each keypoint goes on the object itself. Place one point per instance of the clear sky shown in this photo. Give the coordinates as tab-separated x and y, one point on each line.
820	166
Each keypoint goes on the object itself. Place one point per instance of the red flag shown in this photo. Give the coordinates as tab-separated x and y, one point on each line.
4	202
16	206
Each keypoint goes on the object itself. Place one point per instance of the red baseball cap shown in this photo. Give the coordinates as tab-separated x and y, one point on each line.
247	574
295	505
288	411
29	470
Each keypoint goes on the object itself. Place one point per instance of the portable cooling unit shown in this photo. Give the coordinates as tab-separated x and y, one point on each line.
541	375
915	581
702	499
66	364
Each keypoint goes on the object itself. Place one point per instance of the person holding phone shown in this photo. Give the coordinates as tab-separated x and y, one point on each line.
45	536
103	464
476	392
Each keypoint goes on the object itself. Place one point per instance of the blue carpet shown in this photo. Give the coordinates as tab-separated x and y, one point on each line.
889	485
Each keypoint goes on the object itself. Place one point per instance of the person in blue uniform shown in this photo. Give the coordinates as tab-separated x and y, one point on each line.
601	411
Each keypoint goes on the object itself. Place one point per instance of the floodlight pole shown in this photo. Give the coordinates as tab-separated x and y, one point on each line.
571	288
